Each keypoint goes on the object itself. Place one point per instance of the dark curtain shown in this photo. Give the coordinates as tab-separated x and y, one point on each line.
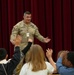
54	18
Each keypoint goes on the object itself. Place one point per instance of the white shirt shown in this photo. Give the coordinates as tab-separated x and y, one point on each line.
4	61
27	70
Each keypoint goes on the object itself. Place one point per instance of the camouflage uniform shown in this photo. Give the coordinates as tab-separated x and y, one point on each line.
26	31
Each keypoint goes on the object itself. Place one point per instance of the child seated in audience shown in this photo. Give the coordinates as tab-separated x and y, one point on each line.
35	63
7	67
65	63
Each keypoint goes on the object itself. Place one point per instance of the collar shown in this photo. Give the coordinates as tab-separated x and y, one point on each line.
3	61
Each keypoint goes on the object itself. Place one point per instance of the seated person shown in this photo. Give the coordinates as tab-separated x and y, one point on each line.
35	62
65	63
7	67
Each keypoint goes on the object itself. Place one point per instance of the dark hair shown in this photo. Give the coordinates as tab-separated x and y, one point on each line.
27	12
3	53
70	57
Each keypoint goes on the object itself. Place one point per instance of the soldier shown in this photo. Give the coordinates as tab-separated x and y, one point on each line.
26	29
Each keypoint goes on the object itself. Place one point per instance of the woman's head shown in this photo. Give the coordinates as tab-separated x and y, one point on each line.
36	57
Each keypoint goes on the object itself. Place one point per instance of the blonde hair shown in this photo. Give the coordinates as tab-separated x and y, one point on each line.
36	57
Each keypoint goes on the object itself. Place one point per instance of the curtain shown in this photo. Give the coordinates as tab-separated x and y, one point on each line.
54	18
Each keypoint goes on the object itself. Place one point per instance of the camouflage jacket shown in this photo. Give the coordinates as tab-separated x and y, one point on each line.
26	31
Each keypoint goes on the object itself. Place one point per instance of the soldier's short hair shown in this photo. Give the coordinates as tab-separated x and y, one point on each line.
27	12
